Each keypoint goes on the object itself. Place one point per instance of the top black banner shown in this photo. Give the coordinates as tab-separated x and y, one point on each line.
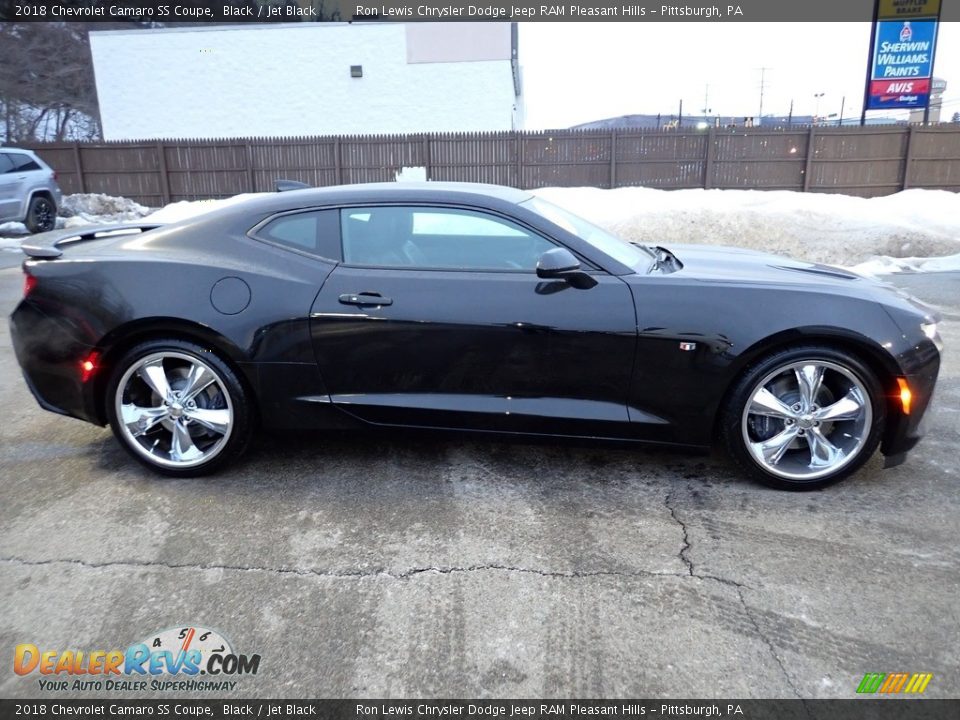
270	11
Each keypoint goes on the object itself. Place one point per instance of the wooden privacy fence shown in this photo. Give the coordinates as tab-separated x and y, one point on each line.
868	161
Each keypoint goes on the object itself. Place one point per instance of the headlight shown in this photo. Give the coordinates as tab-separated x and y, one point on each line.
930	330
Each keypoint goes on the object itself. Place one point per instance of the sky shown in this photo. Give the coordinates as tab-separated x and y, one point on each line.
577	72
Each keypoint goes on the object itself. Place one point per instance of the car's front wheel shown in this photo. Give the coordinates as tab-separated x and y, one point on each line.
178	408
41	215
804	418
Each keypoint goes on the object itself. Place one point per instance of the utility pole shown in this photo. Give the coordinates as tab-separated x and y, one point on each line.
763	88
706	102
790	116
816	113
680	115
843	101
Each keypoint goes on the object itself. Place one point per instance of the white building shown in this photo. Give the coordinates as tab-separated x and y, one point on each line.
307	79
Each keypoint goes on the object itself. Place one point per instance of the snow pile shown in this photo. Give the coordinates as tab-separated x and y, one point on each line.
912	231
185	209
12	228
835	229
887	265
96	208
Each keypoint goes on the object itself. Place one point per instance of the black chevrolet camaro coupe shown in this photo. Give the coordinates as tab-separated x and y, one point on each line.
466	307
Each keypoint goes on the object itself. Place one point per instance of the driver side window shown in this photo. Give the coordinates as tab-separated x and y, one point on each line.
434	238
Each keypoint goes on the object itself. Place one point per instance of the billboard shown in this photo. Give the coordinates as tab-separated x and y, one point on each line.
902	64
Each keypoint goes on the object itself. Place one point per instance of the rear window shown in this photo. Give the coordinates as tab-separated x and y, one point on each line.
21	162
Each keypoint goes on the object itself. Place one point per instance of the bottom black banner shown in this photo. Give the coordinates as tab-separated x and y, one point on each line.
855	709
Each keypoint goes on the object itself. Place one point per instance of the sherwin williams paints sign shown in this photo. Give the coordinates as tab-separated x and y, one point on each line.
901	54
902	64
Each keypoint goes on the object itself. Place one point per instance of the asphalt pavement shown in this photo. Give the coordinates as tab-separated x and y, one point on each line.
421	565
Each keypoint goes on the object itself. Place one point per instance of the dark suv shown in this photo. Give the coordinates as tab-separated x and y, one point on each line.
28	190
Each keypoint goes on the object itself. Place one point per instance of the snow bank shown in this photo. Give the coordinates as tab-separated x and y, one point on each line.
912	231
836	229
96	208
185	209
887	265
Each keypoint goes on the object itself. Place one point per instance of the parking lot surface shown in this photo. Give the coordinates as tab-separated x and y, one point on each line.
418	565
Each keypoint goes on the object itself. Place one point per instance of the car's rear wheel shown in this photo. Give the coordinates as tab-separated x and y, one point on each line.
41	215
804	418
178	408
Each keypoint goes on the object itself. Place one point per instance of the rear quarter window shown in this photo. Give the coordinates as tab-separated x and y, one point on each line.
316	232
22	163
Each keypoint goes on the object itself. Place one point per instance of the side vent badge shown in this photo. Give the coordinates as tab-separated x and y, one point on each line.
688	346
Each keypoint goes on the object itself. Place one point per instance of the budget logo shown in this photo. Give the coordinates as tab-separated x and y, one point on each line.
893	683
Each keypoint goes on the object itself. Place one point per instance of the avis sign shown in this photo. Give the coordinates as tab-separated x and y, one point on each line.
902	64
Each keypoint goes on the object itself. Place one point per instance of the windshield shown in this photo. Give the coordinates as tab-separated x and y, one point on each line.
634	256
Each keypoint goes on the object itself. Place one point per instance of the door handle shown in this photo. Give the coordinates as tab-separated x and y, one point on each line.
365	298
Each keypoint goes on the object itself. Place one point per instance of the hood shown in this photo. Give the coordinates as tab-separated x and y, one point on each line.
739	265
720	264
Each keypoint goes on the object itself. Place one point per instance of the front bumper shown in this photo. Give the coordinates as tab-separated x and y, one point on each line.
904	431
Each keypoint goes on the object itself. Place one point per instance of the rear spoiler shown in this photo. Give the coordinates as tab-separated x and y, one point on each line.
288	185
46	246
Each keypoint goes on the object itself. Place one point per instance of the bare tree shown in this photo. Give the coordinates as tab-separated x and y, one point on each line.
46	82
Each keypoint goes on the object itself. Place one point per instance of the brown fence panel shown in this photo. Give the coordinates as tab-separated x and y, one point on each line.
126	169
759	159
476	157
62	158
308	160
206	169
864	161
935	159
367	159
661	159
576	159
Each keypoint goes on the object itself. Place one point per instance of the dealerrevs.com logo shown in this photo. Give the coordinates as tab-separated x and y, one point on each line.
172	659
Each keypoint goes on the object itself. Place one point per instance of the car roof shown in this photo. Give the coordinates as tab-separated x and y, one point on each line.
391	192
24	151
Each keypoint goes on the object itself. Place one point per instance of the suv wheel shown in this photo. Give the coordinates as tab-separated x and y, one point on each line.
41	215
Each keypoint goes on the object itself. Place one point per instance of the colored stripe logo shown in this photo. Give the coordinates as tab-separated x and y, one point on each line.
893	683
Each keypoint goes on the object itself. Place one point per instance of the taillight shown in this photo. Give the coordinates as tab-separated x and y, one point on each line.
29	283
89	366
54	176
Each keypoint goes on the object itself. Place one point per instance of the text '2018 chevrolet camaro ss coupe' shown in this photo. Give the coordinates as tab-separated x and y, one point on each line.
465	307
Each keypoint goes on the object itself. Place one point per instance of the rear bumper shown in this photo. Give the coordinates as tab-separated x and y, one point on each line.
50	357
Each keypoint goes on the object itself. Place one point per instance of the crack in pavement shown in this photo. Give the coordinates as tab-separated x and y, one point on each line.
685	549
353	574
685	557
763	636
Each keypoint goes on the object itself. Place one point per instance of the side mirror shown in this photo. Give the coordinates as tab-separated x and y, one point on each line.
561	264
557	263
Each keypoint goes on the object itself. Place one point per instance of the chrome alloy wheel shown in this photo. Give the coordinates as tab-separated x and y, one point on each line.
174	409
807	420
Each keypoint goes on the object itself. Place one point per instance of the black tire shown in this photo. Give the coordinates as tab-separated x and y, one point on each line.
223	399
41	215
735	426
